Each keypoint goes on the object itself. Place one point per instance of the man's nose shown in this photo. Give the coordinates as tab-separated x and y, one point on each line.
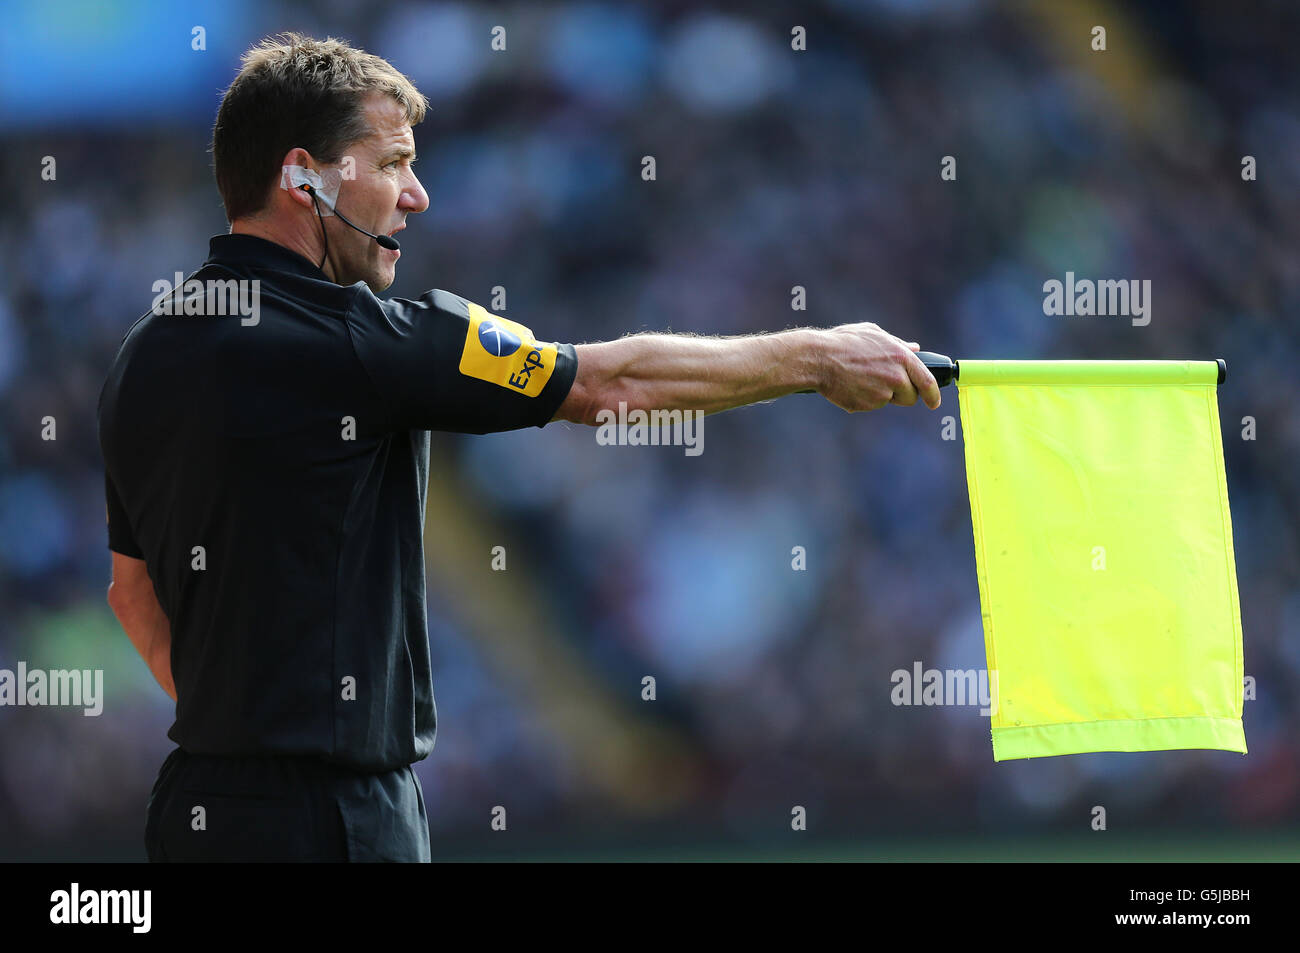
414	198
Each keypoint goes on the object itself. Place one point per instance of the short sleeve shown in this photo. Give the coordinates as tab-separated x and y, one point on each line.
120	538
443	363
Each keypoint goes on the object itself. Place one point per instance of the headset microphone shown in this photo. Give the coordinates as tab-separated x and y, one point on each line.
384	241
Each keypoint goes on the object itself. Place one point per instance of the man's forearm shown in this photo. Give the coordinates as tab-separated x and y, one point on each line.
147	627
686	372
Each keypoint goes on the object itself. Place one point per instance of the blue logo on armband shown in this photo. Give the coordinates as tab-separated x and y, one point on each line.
496	340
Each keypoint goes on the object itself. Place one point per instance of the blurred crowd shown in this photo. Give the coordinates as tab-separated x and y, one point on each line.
775	168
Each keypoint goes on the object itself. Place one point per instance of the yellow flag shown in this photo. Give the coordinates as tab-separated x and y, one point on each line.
1103	546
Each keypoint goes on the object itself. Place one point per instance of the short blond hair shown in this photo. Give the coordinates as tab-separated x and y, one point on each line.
296	92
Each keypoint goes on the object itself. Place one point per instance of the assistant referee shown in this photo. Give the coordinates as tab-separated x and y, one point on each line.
266	471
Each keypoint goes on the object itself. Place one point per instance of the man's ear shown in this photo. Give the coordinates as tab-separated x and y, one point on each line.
302	157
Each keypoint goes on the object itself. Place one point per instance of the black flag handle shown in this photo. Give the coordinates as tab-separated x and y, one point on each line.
941	366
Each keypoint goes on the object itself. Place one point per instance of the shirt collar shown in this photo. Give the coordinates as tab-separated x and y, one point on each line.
261	253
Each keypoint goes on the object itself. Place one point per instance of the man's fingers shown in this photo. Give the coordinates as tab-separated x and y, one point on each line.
904	392
926	386
904	395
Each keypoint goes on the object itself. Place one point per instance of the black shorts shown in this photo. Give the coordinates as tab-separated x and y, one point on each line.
208	808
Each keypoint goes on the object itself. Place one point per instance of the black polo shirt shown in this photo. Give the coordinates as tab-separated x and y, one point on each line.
270	465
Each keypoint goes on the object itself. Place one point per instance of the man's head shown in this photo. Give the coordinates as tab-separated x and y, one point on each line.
320	104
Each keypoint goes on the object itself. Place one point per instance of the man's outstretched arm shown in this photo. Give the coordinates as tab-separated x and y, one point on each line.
133	601
854	366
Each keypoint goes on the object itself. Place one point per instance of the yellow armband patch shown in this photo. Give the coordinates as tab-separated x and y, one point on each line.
504	352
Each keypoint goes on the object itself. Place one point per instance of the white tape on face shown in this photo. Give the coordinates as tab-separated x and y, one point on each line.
326	184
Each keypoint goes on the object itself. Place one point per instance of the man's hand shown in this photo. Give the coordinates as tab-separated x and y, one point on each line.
865	367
